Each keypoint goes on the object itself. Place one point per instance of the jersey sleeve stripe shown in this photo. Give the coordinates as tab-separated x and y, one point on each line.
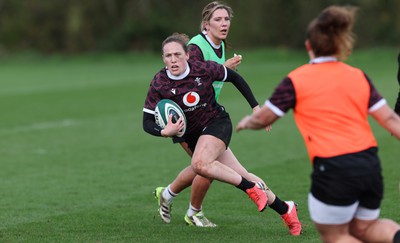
377	105
274	109
148	111
226	74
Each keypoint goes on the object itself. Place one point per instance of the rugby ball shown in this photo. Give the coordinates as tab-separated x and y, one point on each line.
164	108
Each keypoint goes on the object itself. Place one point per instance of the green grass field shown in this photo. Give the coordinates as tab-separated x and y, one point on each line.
76	165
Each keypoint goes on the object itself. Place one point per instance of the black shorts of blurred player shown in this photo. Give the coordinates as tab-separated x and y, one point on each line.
348	185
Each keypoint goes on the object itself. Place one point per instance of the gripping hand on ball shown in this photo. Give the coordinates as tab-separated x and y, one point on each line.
173	129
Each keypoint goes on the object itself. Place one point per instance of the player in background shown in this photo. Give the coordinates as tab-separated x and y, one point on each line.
210	45
331	102
397	105
209	128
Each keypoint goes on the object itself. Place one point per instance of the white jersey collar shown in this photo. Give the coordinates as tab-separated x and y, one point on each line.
210	41
324	59
180	77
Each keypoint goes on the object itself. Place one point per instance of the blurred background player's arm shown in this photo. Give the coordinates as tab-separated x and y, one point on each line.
397	105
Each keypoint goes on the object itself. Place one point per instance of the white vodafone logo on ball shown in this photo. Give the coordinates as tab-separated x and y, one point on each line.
191	99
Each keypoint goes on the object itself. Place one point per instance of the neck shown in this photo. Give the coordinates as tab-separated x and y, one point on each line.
180	76
215	43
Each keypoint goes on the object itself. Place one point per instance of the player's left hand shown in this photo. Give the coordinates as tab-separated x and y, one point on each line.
233	62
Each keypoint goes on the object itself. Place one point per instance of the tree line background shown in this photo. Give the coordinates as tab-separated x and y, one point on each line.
76	26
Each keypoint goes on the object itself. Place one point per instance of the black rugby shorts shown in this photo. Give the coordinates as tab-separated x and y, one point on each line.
220	127
176	139
345	179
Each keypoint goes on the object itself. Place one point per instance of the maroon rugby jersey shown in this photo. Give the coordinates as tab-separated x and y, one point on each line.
193	92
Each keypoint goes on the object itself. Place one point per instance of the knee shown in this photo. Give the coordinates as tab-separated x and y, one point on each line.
198	166
358	232
359	228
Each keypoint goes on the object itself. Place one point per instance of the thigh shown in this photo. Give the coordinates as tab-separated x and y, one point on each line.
208	149
335	233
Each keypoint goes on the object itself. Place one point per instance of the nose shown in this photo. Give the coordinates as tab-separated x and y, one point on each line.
173	58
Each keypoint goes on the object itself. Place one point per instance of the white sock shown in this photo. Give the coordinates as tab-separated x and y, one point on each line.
168	194
192	210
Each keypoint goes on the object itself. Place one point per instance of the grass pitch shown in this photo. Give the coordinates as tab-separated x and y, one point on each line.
76	165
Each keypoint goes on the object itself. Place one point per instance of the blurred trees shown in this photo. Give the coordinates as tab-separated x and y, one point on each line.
73	26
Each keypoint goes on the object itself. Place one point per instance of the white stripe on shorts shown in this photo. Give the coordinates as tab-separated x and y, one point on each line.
322	213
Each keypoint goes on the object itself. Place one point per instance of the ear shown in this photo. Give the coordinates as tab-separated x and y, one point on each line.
308	45
309	49
205	25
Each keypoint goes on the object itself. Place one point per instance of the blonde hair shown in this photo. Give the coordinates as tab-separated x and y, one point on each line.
330	33
210	8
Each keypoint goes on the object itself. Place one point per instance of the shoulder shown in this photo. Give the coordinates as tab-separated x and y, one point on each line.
208	68
159	77
195	52
196	39
300	69
204	64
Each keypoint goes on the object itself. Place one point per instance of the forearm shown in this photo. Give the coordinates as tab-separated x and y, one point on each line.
242	86
258	120
388	120
150	126
253	122
392	124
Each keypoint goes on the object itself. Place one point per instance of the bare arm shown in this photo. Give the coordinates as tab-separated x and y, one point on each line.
259	119
389	120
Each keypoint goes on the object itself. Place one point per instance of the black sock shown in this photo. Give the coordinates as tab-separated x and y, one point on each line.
245	184
279	206
397	105
396	238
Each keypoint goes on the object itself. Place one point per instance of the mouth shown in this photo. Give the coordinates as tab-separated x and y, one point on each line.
224	31
174	68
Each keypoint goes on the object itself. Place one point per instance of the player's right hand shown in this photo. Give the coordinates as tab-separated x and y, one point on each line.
172	129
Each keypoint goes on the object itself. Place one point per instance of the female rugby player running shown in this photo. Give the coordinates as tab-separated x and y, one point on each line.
210	45
209	127
331	102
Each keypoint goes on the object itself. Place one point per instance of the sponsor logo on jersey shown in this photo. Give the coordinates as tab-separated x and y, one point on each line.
191	99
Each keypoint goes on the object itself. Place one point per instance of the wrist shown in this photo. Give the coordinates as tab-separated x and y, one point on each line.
162	132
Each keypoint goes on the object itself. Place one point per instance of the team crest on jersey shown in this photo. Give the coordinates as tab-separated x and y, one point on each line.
198	81
191	99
